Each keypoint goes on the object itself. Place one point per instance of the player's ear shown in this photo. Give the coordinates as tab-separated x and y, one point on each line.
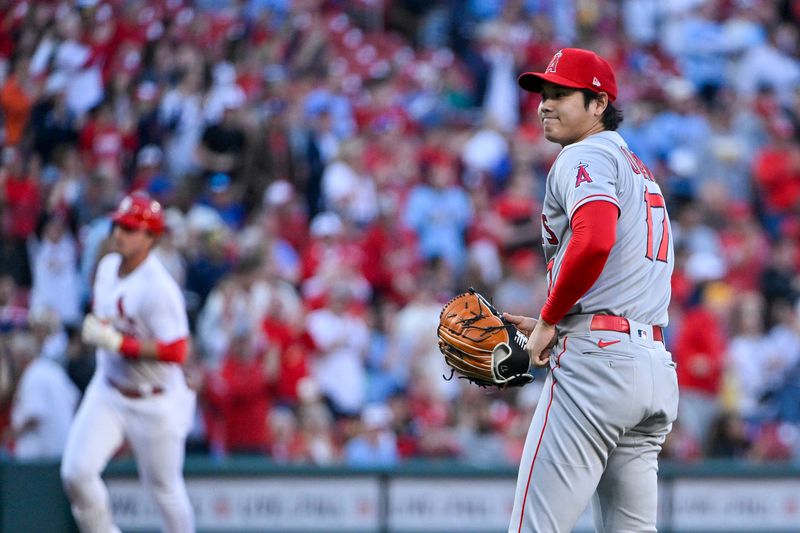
602	103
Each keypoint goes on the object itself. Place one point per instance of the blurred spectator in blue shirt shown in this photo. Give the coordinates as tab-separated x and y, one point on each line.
439	211
377	444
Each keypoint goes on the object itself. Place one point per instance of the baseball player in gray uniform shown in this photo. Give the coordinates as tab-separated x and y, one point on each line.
611	393
138	393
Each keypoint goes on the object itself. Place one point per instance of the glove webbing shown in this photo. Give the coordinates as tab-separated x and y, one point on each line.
467	323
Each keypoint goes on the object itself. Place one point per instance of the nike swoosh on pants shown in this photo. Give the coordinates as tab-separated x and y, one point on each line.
605	344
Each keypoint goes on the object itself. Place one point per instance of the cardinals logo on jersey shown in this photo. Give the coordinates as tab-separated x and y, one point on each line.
125	323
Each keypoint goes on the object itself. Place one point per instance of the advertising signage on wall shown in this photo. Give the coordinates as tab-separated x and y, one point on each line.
407	504
274	504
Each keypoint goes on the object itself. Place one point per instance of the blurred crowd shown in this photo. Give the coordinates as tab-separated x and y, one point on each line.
334	171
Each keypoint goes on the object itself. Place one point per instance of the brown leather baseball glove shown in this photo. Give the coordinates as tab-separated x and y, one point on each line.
480	346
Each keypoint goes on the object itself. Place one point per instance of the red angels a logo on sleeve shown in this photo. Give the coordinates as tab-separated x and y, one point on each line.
554	62
583	175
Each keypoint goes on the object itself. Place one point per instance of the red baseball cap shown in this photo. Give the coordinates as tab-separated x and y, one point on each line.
576	68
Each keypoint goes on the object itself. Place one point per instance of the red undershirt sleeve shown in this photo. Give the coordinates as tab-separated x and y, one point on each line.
594	231
168	352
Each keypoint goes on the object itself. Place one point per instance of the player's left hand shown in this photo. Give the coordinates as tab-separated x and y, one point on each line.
540	343
100	333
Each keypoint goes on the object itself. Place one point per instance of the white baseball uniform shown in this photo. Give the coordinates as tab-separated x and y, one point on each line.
142	401
610	396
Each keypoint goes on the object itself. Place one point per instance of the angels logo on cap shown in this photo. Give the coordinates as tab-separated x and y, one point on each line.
554	63
576	68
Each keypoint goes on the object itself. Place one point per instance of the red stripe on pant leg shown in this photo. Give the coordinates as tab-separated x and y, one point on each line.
541	435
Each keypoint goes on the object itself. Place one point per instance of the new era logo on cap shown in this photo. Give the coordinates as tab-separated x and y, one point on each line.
576	68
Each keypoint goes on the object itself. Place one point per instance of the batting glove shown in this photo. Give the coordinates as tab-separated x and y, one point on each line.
100	333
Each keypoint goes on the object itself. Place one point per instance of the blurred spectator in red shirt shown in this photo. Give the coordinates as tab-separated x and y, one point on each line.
284	214
773	441
390	255
776	175
517	207
104	144
331	259
294	369
21	204
242	393
699	352
20	194
295	348
683	285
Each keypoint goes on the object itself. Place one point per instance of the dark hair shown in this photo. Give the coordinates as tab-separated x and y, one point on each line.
612	117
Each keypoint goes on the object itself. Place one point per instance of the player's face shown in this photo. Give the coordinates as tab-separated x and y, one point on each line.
131	242
565	117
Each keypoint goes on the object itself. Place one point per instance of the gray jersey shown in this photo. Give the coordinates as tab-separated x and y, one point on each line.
148	304
635	282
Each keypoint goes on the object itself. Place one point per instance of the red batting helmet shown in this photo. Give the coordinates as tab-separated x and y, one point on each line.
138	210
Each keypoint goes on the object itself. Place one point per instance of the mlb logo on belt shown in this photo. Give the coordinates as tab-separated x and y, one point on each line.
642	334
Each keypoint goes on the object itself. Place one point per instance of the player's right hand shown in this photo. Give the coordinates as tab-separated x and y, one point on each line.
100	333
541	342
